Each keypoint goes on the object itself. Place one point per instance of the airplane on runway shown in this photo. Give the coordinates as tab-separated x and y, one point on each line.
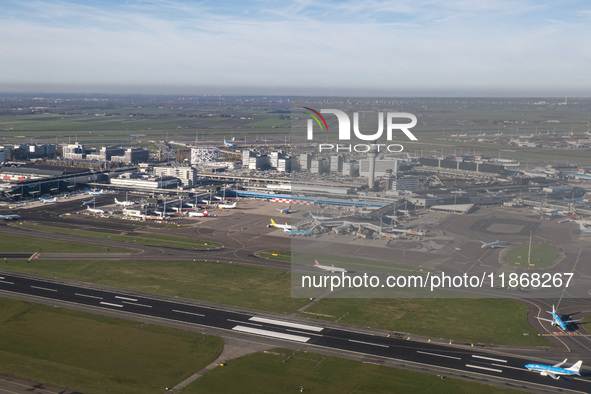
94	191
554	371
95	210
580	199
228	143
49	199
124	203
10	217
492	245
298	232
281	226
556	320
228	206
330	268
285	210
87	202
198	214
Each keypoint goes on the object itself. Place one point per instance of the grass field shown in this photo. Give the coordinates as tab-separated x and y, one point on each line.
541	255
468	320
21	244
287	371
249	287
144	239
96	354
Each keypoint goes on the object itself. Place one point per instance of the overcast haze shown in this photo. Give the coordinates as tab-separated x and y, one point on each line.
394	48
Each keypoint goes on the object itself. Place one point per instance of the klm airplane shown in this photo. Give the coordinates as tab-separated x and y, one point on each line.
555	371
495	244
298	232
556	320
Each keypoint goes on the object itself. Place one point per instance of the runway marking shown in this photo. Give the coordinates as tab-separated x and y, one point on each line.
302	332
7	282
485	368
1	277
43	288
244	322
439	355
125	298
286	324
273	334
367	343
108	303
489	358
89	296
188	313
134	303
508	366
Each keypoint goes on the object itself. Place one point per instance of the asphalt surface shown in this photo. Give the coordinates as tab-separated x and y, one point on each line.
278	327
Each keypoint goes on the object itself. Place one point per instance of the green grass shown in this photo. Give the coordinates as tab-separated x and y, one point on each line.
249	287
541	255
144	239
97	354
496	321
21	244
287	371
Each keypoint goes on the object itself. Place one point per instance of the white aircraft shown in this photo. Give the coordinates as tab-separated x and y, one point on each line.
87	202
285	210
10	217
492	245
281	226
198	214
94	191
49	199
556	320
228	206
95	210
124	203
330	268
554	371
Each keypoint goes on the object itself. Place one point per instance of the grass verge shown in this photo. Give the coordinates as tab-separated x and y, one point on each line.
97	354
21	244
287	371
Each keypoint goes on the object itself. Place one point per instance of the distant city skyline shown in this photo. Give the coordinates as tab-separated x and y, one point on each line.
385	48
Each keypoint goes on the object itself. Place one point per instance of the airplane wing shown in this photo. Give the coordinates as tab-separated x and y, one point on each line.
541	318
552	375
570	321
558	365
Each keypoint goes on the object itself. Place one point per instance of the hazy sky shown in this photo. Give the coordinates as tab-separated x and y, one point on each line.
402	47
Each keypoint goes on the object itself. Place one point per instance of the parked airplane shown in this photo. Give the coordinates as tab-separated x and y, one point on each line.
87	202
10	217
281	226
94	191
285	210
330	268
49	199
492	245
95	210
198	214
580	199
228	206
555	371
299	232
124	203
228	143
556	320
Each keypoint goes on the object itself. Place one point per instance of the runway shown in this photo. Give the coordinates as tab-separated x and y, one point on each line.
273	327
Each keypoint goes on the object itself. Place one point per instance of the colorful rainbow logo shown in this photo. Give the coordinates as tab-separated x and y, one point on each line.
316	119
